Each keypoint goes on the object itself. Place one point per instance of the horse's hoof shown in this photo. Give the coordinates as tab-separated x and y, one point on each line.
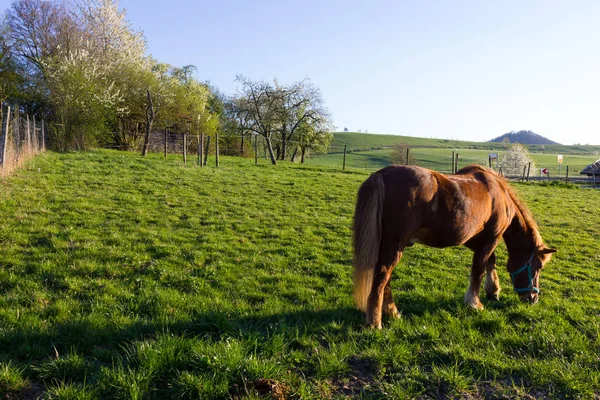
494	296
395	315
473	301
378	326
476	306
393	312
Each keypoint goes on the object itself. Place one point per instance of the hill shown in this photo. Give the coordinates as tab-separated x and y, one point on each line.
356	141
524	137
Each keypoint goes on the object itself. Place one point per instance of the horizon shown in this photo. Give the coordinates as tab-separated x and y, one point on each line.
461	71
474	141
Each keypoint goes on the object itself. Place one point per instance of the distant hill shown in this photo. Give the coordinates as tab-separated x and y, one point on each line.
524	137
356	141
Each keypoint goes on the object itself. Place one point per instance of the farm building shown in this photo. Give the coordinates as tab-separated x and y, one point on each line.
592	169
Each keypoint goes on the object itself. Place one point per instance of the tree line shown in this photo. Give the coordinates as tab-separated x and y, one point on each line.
82	67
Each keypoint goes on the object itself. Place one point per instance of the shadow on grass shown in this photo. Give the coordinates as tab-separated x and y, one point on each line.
28	344
87	335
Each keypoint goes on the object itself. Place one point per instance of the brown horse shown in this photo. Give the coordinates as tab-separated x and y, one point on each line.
402	205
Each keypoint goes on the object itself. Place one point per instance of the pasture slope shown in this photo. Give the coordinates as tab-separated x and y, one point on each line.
372	151
130	278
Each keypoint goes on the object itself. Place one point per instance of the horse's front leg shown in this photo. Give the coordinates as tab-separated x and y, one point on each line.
492	283
480	259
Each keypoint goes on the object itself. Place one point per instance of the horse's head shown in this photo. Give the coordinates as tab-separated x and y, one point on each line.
525	272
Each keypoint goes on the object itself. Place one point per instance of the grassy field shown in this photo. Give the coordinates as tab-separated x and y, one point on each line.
356	141
131	278
440	159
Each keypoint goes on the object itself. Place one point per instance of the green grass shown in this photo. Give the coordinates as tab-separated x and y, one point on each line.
131	278
440	159
370	151
356	141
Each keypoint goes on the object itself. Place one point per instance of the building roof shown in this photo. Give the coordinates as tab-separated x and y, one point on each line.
592	169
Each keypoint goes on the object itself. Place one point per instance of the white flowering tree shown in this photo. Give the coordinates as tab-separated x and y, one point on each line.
515	159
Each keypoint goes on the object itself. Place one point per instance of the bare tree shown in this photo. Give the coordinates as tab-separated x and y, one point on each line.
259	103
401	155
35	28
302	103
293	113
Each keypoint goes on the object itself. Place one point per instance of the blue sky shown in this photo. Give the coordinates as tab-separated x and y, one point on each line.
469	70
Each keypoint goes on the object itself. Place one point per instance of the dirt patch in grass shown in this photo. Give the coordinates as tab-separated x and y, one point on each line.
270	387
32	392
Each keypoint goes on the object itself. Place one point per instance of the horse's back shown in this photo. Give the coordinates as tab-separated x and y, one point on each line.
425	206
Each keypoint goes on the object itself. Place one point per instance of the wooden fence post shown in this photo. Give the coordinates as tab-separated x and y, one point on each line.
43	135
407	152
452	162
5	137
256	150
456	163
528	170
217	149
35	137
344	165
201	149
524	170
16	127
28	136
206	150
567	175
166	140
184	148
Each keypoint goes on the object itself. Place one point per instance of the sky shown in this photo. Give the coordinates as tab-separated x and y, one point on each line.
468	70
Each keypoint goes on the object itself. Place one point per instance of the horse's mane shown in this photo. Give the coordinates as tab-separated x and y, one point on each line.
524	215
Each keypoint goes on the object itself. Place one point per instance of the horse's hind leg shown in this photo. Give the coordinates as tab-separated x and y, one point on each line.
389	307
492	283
388	258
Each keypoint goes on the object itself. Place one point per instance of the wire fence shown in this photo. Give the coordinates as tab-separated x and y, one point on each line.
447	160
200	148
207	149
21	138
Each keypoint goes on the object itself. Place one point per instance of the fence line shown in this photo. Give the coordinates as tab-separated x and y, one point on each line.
445	160
205	146
21	138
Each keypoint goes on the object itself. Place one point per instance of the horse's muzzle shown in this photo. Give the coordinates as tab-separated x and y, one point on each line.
529	297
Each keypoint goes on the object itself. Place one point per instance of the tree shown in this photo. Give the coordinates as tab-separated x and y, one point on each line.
80	57
10	79
400	153
515	159
260	104
302	104
80	95
295	113
315	137
34	28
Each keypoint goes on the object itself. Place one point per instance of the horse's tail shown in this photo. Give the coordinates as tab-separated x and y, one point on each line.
367	236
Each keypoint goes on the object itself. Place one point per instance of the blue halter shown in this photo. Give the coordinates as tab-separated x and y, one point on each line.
526	267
